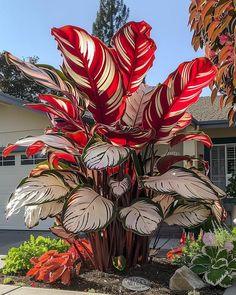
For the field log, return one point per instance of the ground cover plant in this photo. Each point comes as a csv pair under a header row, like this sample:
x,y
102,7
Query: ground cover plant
x,y
212,255
104,177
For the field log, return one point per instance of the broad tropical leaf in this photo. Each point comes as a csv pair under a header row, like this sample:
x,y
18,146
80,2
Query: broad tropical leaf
x,y
44,75
188,215
198,136
36,212
56,141
171,99
164,201
91,65
142,217
49,186
165,162
119,188
180,181
99,155
87,211
135,105
218,211
135,52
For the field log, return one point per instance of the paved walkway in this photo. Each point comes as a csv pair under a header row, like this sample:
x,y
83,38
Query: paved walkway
x,y
14,290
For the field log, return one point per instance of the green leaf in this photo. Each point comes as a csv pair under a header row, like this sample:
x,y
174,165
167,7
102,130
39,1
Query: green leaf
x,y
215,276
232,264
201,260
210,251
222,254
119,262
222,262
227,281
198,269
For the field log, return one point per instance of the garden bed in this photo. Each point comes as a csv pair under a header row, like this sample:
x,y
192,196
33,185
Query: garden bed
x,y
158,273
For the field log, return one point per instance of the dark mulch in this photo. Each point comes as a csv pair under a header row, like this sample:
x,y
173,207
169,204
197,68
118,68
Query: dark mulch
x,y
158,272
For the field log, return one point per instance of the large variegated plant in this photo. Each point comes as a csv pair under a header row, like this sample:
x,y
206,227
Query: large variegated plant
x,y
103,176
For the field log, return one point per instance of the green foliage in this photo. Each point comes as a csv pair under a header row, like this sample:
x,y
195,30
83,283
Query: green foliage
x,y
231,187
18,259
13,82
119,262
8,281
194,292
112,15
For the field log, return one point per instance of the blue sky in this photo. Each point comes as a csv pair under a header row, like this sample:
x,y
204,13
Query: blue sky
x,y
25,29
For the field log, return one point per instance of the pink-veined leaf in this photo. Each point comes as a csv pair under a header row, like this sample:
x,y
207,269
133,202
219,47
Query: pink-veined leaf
x,y
55,157
183,182
36,212
198,136
33,148
50,185
164,201
188,215
90,64
171,99
142,217
120,187
87,211
135,52
135,105
182,123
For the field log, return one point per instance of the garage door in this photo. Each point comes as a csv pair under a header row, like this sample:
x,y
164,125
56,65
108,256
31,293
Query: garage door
x,y
12,170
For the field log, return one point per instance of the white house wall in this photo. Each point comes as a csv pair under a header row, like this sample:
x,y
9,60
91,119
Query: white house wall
x,y
17,122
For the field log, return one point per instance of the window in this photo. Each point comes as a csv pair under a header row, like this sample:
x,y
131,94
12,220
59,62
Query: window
x,y
7,161
223,164
33,160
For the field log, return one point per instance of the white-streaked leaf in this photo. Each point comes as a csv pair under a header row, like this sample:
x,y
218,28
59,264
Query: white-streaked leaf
x,y
180,181
188,215
36,212
142,217
119,188
215,276
205,178
135,105
164,201
99,155
87,211
48,186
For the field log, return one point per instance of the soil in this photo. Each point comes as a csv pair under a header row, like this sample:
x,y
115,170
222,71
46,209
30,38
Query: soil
x,y
158,272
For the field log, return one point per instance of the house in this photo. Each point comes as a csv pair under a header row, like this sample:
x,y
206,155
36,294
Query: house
x,y
17,121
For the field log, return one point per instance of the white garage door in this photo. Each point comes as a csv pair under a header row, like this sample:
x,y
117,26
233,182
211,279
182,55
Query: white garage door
x,y
12,170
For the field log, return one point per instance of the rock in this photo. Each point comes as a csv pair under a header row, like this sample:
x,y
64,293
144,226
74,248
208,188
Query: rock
x,y
184,279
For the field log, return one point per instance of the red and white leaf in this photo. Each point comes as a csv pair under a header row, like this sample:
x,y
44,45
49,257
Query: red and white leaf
x,y
119,188
188,215
51,140
182,123
135,105
164,163
165,201
49,186
87,211
198,136
99,155
180,181
142,217
36,212
135,53
132,137
171,99
91,65
218,211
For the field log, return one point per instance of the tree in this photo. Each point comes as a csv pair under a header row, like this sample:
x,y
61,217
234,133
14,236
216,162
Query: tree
x,y
106,180
213,24
13,82
112,15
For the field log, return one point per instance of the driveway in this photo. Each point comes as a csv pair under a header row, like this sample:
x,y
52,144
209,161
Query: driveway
x,y
13,238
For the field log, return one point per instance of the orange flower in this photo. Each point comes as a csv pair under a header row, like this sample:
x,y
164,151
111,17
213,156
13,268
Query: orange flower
x,y
172,254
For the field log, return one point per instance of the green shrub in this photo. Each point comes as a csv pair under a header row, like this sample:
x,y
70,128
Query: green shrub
x,y
8,281
18,259
231,187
